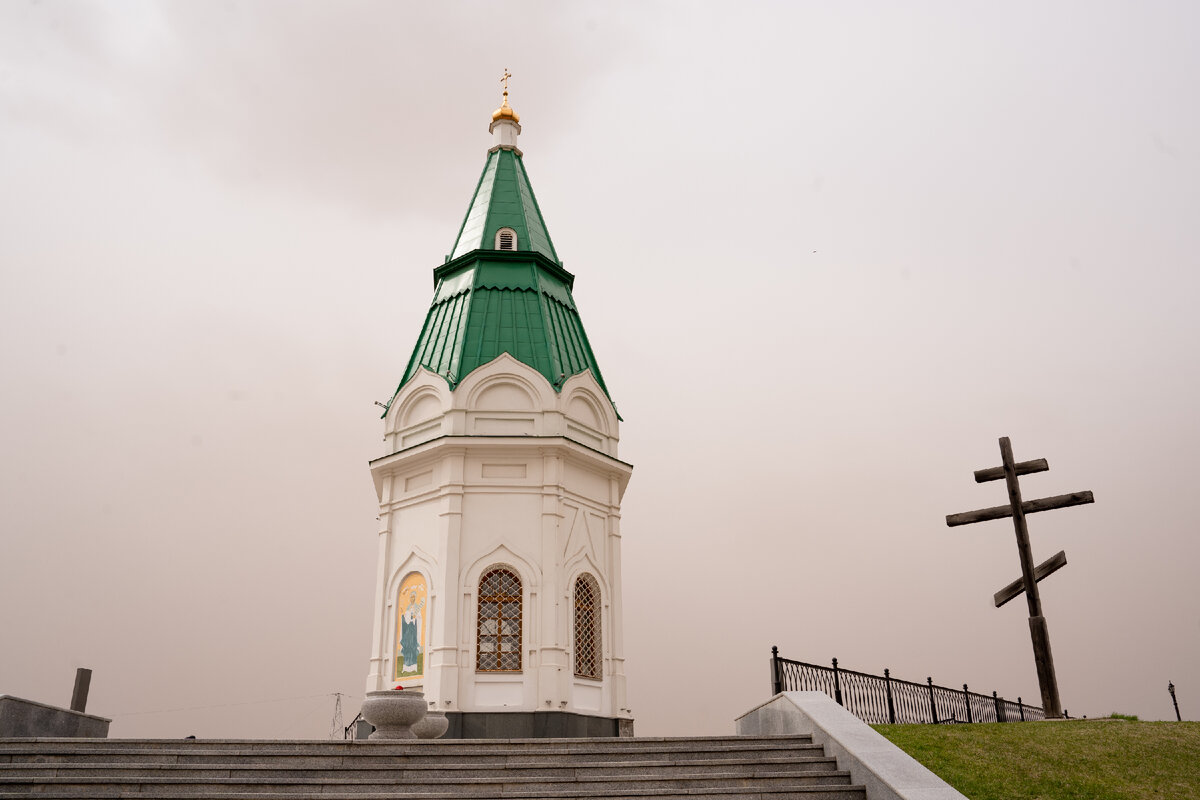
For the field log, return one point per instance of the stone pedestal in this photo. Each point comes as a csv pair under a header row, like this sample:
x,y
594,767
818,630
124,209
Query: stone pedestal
x,y
393,712
433,726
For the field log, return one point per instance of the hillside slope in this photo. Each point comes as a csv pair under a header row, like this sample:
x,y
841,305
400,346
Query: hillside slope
x,y
1075,760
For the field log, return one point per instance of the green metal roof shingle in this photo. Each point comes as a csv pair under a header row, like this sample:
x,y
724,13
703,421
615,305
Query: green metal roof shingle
x,y
493,302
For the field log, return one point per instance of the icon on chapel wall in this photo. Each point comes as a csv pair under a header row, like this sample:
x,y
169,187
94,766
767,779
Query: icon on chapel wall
x,y
410,627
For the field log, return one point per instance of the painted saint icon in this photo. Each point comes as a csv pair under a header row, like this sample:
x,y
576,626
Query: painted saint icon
x,y
410,627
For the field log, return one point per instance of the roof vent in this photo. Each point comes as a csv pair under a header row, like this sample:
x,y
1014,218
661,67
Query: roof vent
x,y
506,239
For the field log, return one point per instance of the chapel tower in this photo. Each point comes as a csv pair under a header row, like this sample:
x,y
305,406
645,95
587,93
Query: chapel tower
x,y
498,590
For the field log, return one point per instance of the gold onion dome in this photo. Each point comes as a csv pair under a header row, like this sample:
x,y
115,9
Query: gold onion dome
x,y
505,111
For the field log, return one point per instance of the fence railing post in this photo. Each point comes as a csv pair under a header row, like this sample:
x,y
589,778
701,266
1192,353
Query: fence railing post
x,y
776,673
837,685
1021,708
999,708
887,684
967,700
932,704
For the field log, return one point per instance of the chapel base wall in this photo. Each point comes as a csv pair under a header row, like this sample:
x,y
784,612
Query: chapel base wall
x,y
533,725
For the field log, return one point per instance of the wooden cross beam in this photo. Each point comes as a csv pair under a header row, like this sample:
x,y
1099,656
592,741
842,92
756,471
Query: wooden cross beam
x,y
1044,569
1028,507
1009,470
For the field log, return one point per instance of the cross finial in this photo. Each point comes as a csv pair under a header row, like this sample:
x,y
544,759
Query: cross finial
x,y
505,112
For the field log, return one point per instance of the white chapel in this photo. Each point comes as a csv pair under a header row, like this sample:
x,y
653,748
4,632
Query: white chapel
x,y
498,590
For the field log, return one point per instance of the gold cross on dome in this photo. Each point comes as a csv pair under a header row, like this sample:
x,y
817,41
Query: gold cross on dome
x,y
504,80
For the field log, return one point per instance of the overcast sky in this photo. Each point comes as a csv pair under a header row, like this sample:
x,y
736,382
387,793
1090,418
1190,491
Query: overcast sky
x,y
826,253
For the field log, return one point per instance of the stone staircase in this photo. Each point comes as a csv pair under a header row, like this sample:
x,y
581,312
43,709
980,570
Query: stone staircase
x,y
721,768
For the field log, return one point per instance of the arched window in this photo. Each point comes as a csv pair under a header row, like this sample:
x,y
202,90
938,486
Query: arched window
x,y
588,656
499,648
506,239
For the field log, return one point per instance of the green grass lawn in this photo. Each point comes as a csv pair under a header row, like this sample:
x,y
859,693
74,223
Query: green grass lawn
x,y
1075,760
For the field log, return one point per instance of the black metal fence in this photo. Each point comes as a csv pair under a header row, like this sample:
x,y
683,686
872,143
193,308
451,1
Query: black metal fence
x,y
352,730
885,699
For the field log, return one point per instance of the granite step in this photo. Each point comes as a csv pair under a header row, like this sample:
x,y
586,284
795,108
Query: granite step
x,y
810,793
549,770
723,768
419,748
807,758
457,784
676,742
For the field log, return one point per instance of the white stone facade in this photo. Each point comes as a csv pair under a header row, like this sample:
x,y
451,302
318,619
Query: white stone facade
x,y
503,471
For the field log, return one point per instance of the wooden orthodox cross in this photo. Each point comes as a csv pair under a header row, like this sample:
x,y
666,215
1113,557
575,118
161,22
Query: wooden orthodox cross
x,y
1027,583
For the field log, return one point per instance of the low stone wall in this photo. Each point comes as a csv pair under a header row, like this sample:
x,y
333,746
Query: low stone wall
x,y
887,771
25,718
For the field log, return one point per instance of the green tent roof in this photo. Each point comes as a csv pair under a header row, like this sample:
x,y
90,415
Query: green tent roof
x,y
487,302
503,199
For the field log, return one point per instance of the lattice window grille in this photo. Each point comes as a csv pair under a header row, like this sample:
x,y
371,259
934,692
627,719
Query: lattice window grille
x,y
506,239
588,658
499,642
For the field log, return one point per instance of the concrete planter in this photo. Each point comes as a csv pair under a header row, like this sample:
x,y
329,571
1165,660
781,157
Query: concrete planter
x,y
393,712
433,726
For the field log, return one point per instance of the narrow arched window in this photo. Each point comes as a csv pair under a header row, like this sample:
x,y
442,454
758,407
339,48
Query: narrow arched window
x,y
506,239
588,656
499,643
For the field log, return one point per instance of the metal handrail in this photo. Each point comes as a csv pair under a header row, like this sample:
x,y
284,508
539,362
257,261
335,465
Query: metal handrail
x,y
880,699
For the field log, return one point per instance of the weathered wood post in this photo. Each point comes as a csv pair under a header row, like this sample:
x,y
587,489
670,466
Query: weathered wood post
x,y
1009,470
83,682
